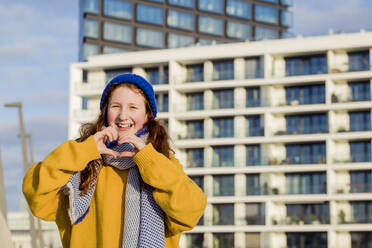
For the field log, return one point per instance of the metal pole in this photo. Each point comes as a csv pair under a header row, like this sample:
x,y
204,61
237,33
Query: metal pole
x,y
39,229
3,209
25,165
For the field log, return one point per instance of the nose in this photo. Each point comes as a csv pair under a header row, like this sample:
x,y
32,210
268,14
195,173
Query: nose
x,y
123,115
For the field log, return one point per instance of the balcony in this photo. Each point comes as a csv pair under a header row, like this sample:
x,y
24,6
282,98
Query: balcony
x,y
312,219
85,114
95,85
354,188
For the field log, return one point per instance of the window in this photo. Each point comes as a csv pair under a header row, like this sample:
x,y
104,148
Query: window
x,y
286,2
262,33
223,127
308,213
157,75
178,19
150,38
149,14
117,32
89,50
179,40
84,102
307,124
194,240
306,65
85,76
238,8
223,185
215,6
286,18
195,73
255,213
223,98
195,129
222,240
308,94
195,157
252,240
110,73
265,14
269,1
307,239
223,214
118,9
360,151
182,3
306,183
90,28
223,70
360,181
253,186
157,1
253,154
307,153
359,61
361,239
253,97
199,180
254,67
195,101
109,49
254,126
223,156
91,6
360,91
238,30
210,25
205,42
360,121
162,101
361,211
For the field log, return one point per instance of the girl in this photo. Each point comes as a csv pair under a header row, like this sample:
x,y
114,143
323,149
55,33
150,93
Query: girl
x,y
118,184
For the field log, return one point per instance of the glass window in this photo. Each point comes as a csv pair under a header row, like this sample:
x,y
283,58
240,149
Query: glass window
x,y
179,40
117,32
194,240
286,2
150,38
238,30
361,211
266,14
223,98
118,9
182,3
205,42
223,70
308,94
149,14
210,25
361,239
109,49
195,101
254,125
360,181
306,124
253,185
90,28
286,18
223,240
91,6
253,97
306,65
308,213
89,50
179,19
253,154
223,156
255,213
195,73
215,6
254,67
199,180
223,214
306,183
262,33
195,129
162,101
360,121
360,91
223,185
157,1
360,151
195,157
307,239
84,102
269,1
307,153
157,75
85,76
223,127
110,73
238,8
359,61
252,240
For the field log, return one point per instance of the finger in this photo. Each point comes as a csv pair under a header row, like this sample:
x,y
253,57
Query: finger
x,y
110,152
127,154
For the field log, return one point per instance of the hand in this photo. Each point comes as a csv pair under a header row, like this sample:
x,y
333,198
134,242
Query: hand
x,y
138,143
100,137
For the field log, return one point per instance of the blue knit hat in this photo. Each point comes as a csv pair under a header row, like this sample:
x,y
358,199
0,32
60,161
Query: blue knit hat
x,y
139,81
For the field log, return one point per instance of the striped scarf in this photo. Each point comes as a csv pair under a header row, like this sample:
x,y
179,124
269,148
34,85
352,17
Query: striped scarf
x,y
143,220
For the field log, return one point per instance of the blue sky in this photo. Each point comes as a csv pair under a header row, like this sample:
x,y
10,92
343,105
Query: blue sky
x,y
38,41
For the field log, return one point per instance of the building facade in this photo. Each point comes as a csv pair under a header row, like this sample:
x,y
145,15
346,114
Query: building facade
x,y
111,26
277,133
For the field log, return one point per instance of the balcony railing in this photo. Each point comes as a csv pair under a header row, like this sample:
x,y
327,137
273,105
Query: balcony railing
x,y
312,219
309,130
354,188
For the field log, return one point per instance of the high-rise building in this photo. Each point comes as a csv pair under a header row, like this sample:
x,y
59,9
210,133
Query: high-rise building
x,y
277,133
111,26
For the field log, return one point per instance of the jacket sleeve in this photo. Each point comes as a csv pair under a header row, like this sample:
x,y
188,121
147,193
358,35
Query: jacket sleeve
x,y
42,183
180,198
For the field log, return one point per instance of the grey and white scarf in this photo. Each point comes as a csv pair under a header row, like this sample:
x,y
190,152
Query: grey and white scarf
x,y
143,220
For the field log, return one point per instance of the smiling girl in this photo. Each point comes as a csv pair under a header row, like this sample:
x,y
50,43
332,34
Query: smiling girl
x,y
119,184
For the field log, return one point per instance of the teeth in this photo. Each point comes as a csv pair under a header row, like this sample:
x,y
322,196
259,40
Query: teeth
x,y
124,125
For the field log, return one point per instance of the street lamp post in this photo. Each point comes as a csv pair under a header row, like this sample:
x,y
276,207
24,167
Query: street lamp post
x,y
25,164
3,210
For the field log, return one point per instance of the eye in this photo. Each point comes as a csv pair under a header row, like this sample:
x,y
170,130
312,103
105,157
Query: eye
x,y
133,107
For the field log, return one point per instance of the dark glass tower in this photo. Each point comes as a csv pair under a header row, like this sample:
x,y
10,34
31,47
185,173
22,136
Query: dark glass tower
x,y
110,26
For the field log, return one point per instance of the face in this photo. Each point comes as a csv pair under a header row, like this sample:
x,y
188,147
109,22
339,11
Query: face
x,y
126,110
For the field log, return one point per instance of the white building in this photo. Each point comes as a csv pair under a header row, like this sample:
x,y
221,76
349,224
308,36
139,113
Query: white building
x,y
277,133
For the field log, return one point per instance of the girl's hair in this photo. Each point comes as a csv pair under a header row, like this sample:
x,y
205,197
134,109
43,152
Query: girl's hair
x,y
158,136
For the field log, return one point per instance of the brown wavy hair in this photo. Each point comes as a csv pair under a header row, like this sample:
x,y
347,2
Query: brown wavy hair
x,y
158,135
